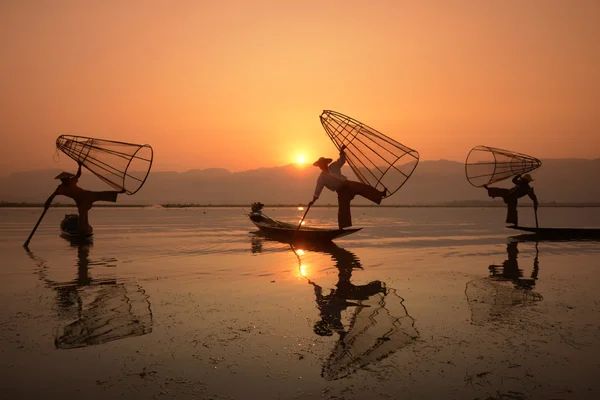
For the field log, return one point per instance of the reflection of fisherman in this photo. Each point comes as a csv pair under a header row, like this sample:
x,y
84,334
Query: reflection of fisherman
x,y
511,196
83,198
511,270
331,305
331,177
68,294
494,297
97,310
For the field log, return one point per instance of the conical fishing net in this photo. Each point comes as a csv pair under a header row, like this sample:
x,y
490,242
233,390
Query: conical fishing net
x,y
110,312
121,165
487,165
376,159
380,326
492,299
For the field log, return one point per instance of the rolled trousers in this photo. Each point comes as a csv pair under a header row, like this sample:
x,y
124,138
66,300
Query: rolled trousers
x,y
345,195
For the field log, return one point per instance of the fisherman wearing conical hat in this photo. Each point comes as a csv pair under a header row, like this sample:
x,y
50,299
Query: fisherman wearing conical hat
x,y
512,195
83,198
331,177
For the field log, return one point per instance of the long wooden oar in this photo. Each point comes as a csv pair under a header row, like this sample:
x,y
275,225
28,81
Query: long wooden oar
x,y
302,220
536,219
26,244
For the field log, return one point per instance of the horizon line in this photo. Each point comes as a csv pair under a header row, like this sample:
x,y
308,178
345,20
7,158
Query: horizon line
x,y
303,166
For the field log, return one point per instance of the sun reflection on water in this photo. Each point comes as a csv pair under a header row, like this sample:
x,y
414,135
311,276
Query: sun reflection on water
x,y
304,270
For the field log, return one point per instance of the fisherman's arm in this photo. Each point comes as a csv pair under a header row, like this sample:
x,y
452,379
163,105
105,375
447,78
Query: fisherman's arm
x,y
516,179
318,290
318,190
339,163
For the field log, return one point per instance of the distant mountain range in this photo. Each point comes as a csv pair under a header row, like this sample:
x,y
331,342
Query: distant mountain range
x,y
432,183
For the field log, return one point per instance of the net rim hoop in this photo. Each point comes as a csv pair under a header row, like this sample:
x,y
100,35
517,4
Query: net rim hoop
x,y
147,172
499,150
416,156
467,165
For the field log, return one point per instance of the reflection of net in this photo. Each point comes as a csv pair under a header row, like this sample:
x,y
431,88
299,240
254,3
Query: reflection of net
x,y
376,159
379,327
110,312
121,165
487,165
492,299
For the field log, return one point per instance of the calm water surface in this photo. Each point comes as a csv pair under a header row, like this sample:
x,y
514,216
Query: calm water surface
x,y
191,303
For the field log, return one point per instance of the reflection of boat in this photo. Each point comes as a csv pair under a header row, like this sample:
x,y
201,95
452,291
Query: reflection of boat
x,y
493,297
99,310
561,233
379,326
69,228
288,232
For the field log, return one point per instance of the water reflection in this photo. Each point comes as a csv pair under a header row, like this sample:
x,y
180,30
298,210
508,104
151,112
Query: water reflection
x,y
493,298
378,323
510,271
256,243
100,310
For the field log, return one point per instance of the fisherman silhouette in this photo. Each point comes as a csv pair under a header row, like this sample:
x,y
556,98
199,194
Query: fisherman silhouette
x,y
511,196
84,199
331,177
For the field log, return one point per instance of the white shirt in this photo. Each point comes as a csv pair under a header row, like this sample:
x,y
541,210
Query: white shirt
x,y
333,179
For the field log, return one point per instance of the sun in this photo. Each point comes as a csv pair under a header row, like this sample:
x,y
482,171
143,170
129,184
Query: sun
x,y
301,160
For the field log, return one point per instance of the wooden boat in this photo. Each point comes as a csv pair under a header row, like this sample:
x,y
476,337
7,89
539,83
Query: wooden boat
x,y
288,232
69,228
561,233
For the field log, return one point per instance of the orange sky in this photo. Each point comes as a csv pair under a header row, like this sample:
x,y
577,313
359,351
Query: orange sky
x,y
241,84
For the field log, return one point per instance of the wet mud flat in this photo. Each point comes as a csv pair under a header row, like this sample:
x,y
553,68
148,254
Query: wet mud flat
x,y
235,315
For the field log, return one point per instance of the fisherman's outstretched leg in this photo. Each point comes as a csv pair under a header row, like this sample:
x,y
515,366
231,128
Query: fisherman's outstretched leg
x,y
497,192
365,191
109,195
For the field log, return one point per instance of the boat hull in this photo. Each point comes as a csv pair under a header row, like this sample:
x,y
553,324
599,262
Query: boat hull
x,y
69,228
288,232
561,233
